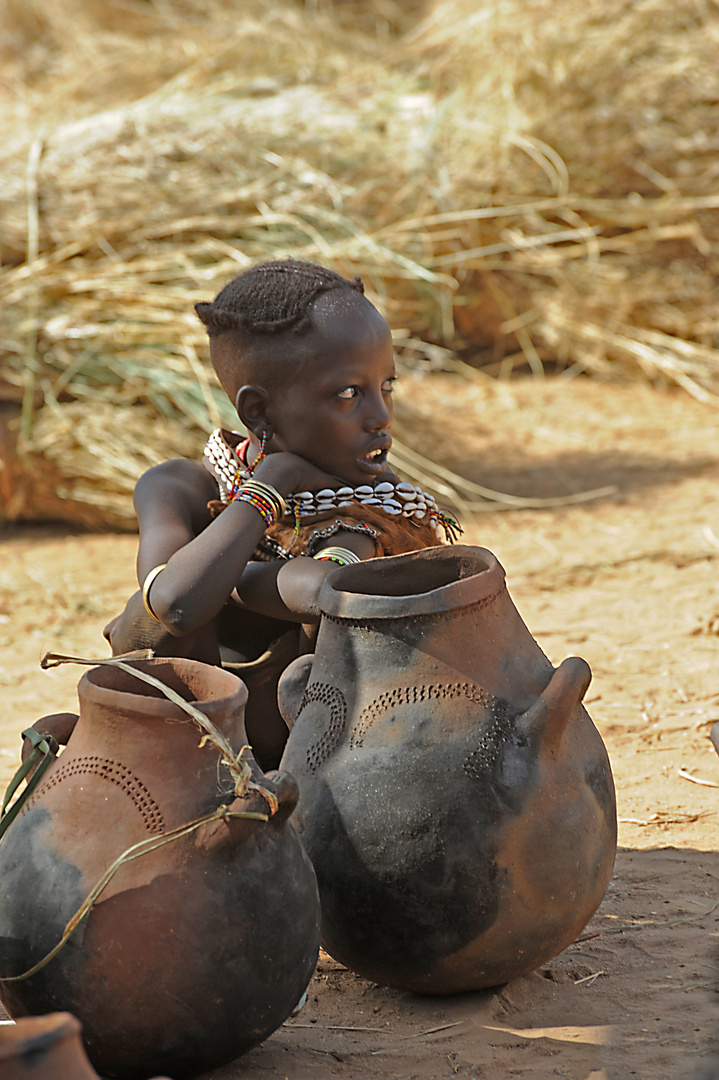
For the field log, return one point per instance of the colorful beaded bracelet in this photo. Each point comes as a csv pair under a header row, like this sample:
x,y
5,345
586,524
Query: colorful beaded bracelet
x,y
340,555
264,498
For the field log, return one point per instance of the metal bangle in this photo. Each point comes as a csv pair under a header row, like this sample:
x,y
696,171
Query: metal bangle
x,y
340,555
146,585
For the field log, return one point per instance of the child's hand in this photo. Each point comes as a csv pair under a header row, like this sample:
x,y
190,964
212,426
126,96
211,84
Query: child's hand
x,y
290,473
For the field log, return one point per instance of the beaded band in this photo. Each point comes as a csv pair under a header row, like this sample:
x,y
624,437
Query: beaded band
x,y
401,500
340,555
147,584
264,498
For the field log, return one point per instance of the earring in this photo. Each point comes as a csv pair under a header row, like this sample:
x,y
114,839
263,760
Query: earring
x,y
261,455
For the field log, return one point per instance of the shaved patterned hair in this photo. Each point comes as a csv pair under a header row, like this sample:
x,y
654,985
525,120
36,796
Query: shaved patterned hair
x,y
270,298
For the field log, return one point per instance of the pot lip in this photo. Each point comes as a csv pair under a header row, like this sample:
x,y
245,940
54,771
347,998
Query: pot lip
x,y
338,600
162,708
42,1032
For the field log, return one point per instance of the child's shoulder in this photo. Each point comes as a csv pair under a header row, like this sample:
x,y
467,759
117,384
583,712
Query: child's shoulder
x,y
185,483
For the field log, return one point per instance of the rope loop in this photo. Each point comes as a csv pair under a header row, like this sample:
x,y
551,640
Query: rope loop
x,y
44,751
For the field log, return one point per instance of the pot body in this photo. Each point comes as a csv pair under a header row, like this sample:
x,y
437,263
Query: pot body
x,y
192,953
455,797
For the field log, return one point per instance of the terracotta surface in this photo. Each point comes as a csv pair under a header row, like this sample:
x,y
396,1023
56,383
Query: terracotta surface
x,y
455,799
45,1048
632,583
194,952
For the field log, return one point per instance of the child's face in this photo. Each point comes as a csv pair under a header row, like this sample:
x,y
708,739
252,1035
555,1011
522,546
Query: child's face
x,y
335,407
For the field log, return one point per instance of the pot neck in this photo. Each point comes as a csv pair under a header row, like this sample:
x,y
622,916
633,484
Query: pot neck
x,y
427,583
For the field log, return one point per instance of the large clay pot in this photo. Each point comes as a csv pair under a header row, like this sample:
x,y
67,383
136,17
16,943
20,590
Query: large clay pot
x,y
45,1048
455,797
194,952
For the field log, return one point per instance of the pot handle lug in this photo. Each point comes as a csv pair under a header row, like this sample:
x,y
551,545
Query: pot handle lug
x,y
291,687
287,791
282,785
60,725
42,747
714,736
547,718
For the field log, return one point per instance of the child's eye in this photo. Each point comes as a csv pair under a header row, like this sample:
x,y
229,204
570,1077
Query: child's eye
x,y
348,393
388,385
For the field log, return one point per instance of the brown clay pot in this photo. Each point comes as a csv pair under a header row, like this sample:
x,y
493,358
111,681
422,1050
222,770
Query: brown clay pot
x,y
45,1048
194,952
455,797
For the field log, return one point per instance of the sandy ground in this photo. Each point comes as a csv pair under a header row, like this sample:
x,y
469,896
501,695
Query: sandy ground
x,y
630,582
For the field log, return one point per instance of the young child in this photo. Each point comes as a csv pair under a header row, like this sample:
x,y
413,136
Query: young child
x,y
233,551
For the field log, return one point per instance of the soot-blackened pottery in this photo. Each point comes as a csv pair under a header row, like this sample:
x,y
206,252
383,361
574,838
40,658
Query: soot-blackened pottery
x,y
455,797
45,1048
193,952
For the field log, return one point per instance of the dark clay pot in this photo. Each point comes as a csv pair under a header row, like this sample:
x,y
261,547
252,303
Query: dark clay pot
x,y
45,1048
193,953
455,797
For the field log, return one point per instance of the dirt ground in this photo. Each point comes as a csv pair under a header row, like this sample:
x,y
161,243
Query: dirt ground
x,y
629,581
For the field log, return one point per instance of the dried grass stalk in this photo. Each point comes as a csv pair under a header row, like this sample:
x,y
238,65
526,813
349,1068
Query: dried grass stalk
x,y
525,179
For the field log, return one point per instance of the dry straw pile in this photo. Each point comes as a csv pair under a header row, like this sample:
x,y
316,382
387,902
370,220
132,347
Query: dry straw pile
x,y
531,181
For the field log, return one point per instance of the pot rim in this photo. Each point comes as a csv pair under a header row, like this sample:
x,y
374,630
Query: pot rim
x,y
342,592
161,707
42,1032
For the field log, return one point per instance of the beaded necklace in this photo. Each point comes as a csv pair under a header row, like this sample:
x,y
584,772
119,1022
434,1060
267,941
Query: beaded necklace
x,y
228,467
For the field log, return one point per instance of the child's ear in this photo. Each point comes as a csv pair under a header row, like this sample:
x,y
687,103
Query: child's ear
x,y
251,404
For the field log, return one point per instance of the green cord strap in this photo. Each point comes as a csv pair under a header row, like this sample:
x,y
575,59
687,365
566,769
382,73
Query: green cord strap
x,y
136,851
44,749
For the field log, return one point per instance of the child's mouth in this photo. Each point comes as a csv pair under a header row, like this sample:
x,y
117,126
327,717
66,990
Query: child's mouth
x,y
375,461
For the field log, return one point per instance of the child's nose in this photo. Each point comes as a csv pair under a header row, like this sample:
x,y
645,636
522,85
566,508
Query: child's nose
x,y
379,414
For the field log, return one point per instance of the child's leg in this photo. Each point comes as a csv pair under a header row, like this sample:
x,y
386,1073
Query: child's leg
x,y
266,730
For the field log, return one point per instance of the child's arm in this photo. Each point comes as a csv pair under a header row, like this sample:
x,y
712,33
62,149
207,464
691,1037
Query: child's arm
x,y
204,558
289,590
171,505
